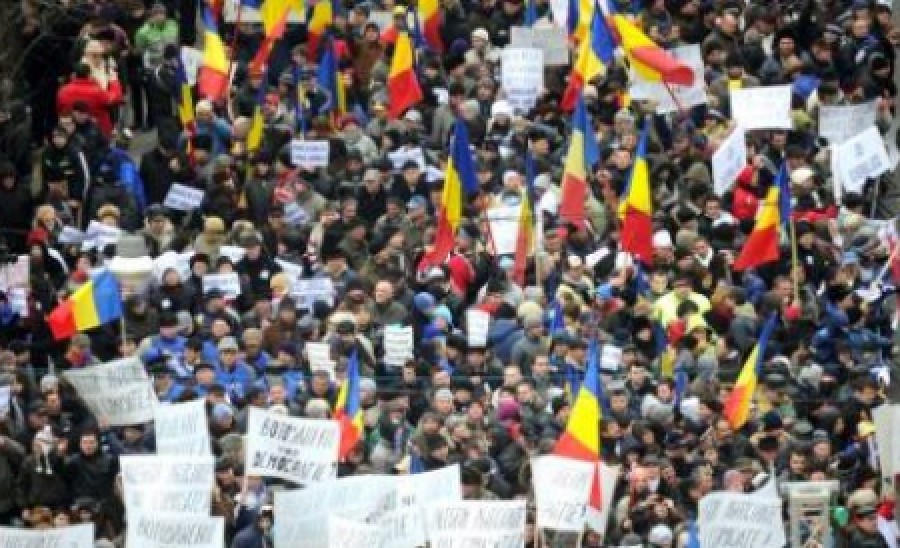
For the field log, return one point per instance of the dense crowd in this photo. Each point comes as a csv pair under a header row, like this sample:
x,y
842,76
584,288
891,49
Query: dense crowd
x,y
91,140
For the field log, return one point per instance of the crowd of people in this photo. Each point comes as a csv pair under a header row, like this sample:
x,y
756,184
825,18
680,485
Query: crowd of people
x,y
91,134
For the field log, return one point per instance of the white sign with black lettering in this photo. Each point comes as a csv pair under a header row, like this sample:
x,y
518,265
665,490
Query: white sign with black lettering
x,y
184,198
398,344
299,450
551,39
100,235
167,484
119,391
405,154
168,531
837,123
728,160
309,290
737,520
309,153
561,489
233,252
766,107
181,428
476,523
319,356
504,224
859,158
478,322
229,283
522,76
70,235
349,533
74,536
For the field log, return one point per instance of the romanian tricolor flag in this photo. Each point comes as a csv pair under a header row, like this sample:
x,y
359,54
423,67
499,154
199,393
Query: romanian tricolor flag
x,y
322,18
93,304
459,182
762,245
593,55
330,80
274,15
258,124
636,211
581,439
212,80
737,406
650,61
347,409
524,239
403,86
582,154
429,14
185,100
581,13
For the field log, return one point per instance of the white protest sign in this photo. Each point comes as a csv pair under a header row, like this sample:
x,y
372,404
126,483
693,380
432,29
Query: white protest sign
x,y
348,533
100,235
610,357
293,270
890,141
839,123
74,536
168,531
15,274
522,76
550,39
504,223
859,158
478,322
382,18
687,96
476,523
309,290
5,393
728,160
167,483
405,154
309,153
560,11
18,300
405,526
298,450
398,344
301,515
228,283
319,356
885,417
181,429
766,107
737,520
191,59
251,15
609,476
233,252
181,262
119,390
295,215
168,500
561,489
184,198
70,235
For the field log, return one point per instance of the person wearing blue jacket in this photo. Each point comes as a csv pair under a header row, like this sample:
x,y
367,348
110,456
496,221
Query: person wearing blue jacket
x,y
235,375
168,345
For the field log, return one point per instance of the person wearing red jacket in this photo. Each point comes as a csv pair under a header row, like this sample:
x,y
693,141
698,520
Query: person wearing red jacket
x,y
745,201
98,100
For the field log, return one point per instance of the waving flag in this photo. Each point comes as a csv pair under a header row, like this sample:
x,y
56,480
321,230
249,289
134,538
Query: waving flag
x,y
650,61
212,80
330,80
95,303
581,13
459,181
429,14
185,100
322,18
593,55
762,245
737,406
258,123
524,239
636,211
274,14
583,153
403,86
347,409
783,182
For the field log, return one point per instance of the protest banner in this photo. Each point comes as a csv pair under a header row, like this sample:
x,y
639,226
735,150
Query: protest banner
x,y
766,107
298,450
119,391
168,531
228,283
522,76
890,142
398,344
184,198
504,223
251,15
561,490
609,477
99,235
70,235
181,262
837,123
233,252
550,39
293,270
383,18
885,416
478,322
309,153
309,290
18,300
181,428
73,536
737,520
610,357
164,499
142,471
405,525
686,96
406,153
500,524
295,215
348,533
728,160
319,356
191,59
859,158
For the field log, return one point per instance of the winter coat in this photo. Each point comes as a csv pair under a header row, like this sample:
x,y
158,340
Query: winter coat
x,y
11,455
91,476
99,100
42,482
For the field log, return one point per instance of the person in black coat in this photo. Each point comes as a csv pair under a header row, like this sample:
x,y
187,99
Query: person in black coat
x,y
158,170
91,473
16,209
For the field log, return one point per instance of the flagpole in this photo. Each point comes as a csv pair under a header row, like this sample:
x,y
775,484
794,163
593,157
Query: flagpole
x,y
122,329
795,263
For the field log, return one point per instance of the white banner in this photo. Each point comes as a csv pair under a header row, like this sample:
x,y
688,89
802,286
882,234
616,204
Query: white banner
x,y
184,198
728,160
688,96
859,158
167,483
885,417
181,262
504,223
309,290
766,107
550,39
522,76
398,344
561,489
319,356
737,520
16,274
298,450
609,476
99,235
839,123
167,531
233,252
476,523
478,322
229,284
405,526
159,499
119,391
348,533
74,536
406,153
309,153
70,235
181,429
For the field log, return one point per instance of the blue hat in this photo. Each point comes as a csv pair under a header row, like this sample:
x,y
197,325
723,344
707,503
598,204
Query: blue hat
x,y
424,302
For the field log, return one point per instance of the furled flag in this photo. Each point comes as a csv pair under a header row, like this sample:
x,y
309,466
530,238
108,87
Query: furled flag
x,y
737,406
581,13
593,55
95,303
330,80
258,122
583,153
347,409
431,19
761,246
636,211
212,81
650,61
403,86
